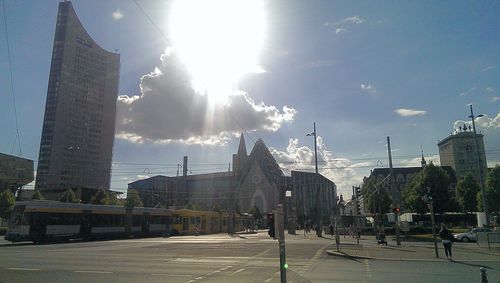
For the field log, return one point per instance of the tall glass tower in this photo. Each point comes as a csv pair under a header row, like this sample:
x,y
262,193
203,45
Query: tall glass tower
x,y
80,111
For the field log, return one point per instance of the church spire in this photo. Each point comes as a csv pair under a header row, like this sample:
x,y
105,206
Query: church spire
x,y
423,162
242,148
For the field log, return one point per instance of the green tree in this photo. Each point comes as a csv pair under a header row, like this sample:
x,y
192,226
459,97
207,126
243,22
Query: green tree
x,y
493,189
69,196
432,179
375,196
7,201
100,197
466,193
133,200
37,195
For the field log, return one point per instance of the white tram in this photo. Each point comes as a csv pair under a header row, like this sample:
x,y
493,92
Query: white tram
x,y
41,221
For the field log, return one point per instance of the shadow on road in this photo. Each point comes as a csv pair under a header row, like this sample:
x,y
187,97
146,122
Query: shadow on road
x,y
474,265
399,249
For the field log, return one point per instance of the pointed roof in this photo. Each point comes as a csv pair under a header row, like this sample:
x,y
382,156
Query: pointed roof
x,y
242,148
423,162
261,155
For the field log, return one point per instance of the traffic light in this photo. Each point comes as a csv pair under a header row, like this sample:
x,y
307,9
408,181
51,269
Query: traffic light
x,y
396,210
358,200
270,222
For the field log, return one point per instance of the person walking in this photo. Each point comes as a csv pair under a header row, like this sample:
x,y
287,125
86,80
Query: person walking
x,y
447,239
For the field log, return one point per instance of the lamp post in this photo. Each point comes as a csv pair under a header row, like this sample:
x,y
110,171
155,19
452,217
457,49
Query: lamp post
x,y
427,198
479,171
318,202
315,148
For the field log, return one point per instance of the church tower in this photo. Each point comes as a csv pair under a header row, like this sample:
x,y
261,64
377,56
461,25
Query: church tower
x,y
240,159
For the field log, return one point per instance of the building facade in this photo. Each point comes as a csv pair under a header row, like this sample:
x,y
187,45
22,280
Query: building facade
x,y
79,122
256,180
15,172
459,152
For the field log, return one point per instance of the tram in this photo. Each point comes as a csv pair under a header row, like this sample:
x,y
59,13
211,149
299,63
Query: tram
x,y
43,221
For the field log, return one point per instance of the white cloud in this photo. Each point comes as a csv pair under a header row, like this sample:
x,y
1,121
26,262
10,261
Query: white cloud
x,y
366,87
342,25
490,89
495,98
487,68
490,128
415,162
169,110
117,15
470,91
405,112
342,171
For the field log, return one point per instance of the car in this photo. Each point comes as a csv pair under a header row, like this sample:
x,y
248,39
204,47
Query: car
x,y
470,236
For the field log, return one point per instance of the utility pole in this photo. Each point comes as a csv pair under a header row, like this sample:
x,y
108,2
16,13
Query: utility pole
x,y
479,171
427,198
318,202
395,199
280,225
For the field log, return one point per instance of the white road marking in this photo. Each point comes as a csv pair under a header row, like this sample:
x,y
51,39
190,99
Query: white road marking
x,y
199,278
172,275
225,268
269,279
93,271
238,271
23,269
204,260
367,269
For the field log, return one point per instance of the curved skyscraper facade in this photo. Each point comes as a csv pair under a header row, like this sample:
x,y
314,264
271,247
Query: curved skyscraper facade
x,y
79,123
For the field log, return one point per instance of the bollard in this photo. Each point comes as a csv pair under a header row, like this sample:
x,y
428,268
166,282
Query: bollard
x,y
484,277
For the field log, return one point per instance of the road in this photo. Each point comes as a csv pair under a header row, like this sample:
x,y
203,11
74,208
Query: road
x,y
217,258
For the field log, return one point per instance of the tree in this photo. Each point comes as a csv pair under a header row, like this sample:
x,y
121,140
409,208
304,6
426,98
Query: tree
x,y
375,196
466,193
101,197
37,195
7,201
69,196
493,189
433,180
133,200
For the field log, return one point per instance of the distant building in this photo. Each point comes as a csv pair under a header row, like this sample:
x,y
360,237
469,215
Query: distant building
x,y
79,122
255,181
403,177
458,152
15,172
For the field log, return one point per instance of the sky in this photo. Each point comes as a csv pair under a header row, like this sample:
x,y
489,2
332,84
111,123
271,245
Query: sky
x,y
195,74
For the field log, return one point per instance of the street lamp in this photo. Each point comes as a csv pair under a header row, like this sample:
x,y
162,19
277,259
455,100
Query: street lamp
x,y
315,149
319,210
427,198
479,171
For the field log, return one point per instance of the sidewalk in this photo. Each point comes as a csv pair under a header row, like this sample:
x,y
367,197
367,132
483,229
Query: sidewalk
x,y
410,251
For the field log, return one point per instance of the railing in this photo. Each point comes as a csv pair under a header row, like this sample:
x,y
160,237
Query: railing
x,y
493,237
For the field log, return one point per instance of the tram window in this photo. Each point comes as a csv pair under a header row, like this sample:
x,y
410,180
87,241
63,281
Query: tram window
x,y
137,220
191,220
26,219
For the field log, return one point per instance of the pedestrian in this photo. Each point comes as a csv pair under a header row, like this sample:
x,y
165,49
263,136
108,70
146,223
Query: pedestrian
x,y
331,229
447,239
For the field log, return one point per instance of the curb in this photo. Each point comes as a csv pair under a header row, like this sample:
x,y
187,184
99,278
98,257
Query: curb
x,y
341,254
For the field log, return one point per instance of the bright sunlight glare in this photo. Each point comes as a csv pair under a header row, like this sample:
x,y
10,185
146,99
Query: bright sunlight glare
x,y
219,41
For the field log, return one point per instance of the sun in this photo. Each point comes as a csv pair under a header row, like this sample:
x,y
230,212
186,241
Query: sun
x,y
218,41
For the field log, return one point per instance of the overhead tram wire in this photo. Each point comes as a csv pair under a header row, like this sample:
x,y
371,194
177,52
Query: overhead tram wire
x,y
11,80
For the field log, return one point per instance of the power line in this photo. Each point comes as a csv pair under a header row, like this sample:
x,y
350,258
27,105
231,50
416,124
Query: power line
x,y
11,81
153,23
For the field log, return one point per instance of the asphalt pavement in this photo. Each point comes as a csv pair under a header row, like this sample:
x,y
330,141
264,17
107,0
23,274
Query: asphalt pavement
x,y
239,258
